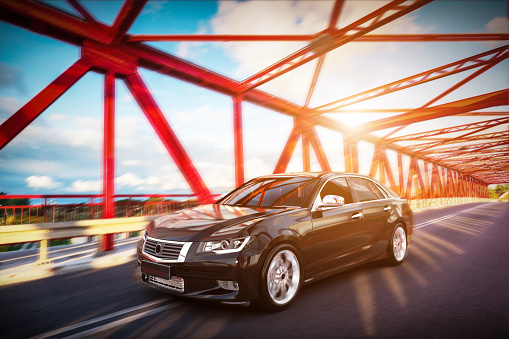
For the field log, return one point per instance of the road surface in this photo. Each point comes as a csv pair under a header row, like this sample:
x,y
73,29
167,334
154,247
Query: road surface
x,y
454,284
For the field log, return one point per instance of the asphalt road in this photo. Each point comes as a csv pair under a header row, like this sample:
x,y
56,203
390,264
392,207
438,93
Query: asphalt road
x,y
454,284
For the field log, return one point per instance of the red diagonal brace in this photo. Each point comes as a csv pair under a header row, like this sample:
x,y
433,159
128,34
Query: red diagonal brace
x,y
126,16
498,98
317,147
168,137
32,109
286,155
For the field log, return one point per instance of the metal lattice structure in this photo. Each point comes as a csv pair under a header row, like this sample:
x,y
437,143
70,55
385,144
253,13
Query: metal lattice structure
x,y
456,170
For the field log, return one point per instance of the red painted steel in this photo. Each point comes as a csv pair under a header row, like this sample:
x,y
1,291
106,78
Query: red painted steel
x,y
81,10
319,152
238,140
494,99
160,125
106,243
110,49
309,37
31,110
426,135
125,18
74,31
286,155
460,139
327,42
490,58
306,162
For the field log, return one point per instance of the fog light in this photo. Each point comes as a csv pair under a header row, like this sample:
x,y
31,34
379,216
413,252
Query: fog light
x,y
228,285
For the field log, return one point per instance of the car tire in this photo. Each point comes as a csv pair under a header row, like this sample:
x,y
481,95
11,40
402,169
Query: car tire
x,y
397,250
281,278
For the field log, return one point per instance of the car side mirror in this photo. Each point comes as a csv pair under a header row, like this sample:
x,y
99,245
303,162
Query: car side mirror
x,y
332,201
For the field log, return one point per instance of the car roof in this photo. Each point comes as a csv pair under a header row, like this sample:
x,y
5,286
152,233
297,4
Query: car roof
x,y
312,174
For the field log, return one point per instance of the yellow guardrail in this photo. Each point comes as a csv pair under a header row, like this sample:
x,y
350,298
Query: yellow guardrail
x,y
62,230
428,204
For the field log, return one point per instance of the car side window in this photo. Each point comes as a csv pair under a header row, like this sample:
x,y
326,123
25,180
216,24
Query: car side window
x,y
366,190
337,186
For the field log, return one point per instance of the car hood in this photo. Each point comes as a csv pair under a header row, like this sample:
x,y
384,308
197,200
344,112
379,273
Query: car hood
x,y
198,223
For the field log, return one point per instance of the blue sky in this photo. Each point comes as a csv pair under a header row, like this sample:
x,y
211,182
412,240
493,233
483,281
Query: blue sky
x,y
60,152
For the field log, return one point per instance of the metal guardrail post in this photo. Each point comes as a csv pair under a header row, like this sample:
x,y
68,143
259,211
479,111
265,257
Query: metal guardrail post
x,y
43,253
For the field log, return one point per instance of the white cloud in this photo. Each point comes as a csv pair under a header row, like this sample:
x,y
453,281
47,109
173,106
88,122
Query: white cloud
x,y
306,17
130,162
8,106
85,186
497,25
57,117
41,182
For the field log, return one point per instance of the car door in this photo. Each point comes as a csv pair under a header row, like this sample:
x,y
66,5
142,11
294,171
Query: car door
x,y
337,231
376,209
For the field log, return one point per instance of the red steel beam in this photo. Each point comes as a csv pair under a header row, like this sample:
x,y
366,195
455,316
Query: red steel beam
x,y
160,125
336,12
286,155
454,87
498,98
126,17
492,58
32,109
309,37
328,42
460,139
401,189
388,171
448,153
238,141
319,152
81,10
487,136
106,243
306,161
404,110
454,129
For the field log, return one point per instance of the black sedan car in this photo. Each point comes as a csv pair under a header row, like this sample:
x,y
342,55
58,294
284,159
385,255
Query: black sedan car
x,y
267,238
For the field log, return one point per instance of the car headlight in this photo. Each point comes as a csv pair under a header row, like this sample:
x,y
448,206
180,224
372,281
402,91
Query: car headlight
x,y
223,246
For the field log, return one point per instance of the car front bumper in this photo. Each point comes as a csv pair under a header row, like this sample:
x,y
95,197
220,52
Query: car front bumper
x,y
228,277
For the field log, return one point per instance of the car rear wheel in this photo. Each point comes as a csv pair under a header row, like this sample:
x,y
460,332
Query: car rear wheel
x,y
398,246
281,278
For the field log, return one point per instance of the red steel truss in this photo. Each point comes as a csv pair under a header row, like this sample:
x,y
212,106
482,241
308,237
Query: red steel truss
x,y
437,166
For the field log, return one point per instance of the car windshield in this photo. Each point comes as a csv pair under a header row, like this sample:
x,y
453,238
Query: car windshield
x,y
273,192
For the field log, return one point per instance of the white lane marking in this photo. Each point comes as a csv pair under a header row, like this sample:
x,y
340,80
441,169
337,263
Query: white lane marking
x,y
122,321
98,319
427,223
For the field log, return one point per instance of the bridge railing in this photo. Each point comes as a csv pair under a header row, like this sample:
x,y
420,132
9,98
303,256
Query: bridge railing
x,y
50,212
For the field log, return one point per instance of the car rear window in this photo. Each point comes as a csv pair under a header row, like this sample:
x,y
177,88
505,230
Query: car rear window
x,y
366,189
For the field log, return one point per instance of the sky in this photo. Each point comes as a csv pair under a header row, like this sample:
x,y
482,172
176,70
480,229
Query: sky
x,y
61,151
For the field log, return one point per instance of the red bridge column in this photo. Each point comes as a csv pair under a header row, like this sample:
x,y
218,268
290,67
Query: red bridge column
x,y
106,243
238,140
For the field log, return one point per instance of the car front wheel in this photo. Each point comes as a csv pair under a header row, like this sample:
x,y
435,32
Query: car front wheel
x,y
281,278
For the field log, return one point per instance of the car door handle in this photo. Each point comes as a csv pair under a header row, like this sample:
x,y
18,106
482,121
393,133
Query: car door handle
x,y
356,216
387,208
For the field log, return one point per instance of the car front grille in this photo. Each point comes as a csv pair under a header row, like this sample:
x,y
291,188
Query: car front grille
x,y
169,250
174,284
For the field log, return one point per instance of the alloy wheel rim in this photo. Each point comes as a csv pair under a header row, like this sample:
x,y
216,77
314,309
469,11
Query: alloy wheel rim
x,y
399,243
283,277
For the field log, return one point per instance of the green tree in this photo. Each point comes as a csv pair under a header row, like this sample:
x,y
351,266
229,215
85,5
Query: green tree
x,y
501,189
14,202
